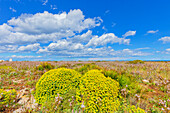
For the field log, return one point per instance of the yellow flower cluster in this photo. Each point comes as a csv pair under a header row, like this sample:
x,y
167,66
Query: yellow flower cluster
x,y
5,67
54,82
98,93
133,109
7,97
94,92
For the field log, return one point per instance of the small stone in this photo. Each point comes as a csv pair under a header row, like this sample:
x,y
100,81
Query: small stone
x,y
18,81
20,110
145,81
23,100
22,92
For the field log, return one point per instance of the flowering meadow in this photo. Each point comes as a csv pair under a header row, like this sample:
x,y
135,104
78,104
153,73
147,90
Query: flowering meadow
x,y
85,87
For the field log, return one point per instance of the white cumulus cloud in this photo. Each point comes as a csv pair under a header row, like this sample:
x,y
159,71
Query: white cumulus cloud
x,y
64,34
8,48
47,22
165,39
31,47
20,56
167,51
152,31
107,38
129,33
61,45
45,27
84,38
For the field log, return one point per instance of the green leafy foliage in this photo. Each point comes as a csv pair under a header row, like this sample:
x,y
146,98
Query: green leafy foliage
x,y
111,74
136,62
127,80
85,68
45,66
65,104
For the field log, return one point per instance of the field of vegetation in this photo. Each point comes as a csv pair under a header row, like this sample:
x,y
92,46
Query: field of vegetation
x,y
84,87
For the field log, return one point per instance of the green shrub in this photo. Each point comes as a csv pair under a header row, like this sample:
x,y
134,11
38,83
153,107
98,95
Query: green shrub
x,y
65,104
85,68
98,93
40,67
136,62
129,83
127,80
124,80
56,81
67,65
111,74
7,98
45,66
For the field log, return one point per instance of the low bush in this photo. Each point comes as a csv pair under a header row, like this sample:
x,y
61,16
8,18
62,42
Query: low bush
x,y
127,80
56,81
136,62
85,68
98,93
111,74
45,66
6,69
91,92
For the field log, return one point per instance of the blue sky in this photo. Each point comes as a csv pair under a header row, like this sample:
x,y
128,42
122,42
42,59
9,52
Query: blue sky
x,y
84,29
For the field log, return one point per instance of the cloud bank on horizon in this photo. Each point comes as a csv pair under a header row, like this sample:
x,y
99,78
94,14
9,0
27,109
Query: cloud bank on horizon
x,y
69,35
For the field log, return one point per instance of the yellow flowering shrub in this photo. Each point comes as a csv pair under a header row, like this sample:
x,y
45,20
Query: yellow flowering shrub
x,y
98,93
56,81
6,69
7,98
94,92
133,109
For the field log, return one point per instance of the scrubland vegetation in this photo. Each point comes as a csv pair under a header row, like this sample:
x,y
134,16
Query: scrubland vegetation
x,y
85,87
